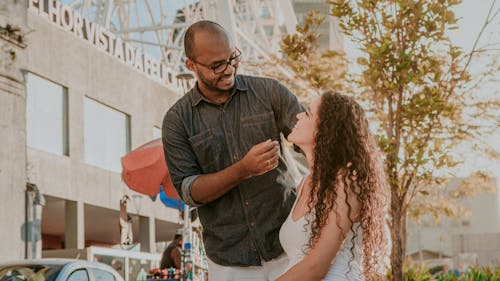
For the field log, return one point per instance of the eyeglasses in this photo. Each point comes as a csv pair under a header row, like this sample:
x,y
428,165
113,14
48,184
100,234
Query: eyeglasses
x,y
222,66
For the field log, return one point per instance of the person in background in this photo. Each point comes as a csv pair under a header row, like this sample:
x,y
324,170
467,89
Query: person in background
x,y
221,142
172,255
336,228
125,223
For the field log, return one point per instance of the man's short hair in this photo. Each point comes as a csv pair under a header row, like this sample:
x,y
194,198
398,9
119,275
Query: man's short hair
x,y
203,25
178,233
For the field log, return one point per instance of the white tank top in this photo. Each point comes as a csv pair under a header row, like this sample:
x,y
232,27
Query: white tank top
x,y
294,237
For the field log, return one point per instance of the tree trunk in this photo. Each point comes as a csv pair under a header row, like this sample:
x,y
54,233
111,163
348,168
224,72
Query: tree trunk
x,y
398,236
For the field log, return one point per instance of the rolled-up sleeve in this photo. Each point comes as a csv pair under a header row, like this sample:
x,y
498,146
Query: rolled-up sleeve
x,y
187,184
179,157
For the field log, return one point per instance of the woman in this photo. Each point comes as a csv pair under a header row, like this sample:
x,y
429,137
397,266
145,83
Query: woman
x,y
335,230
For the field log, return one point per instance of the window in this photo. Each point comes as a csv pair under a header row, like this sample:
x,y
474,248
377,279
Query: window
x,y
21,272
46,115
79,275
138,269
118,263
106,135
101,275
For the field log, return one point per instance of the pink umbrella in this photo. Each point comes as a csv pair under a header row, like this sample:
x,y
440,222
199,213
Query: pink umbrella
x,y
145,171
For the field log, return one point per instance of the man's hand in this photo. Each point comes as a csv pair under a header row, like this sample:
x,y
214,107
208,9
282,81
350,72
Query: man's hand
x,y
261,158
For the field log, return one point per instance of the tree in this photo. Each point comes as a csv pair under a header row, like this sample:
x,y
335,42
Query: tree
x,y
310,72
417,86
418,90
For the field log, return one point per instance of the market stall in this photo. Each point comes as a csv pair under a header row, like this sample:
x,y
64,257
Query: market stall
x,y
145,171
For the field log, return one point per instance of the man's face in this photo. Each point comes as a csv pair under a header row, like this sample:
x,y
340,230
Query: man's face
x,y
212,50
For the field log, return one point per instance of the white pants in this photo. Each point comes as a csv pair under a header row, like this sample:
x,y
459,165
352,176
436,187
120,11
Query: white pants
x,y
269,271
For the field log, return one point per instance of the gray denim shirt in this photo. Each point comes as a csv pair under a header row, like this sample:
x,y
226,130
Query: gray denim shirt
x,y
200,137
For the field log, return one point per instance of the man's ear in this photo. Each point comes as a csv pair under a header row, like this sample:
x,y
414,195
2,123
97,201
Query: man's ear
x,y
190,65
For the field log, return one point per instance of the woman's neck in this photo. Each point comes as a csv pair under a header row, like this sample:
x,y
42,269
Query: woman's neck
x,y
308,152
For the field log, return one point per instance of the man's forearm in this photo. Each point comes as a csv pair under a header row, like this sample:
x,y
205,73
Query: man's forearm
x,y
260,159
209,187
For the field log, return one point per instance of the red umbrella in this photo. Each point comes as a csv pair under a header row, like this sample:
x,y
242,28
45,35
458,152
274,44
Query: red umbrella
x,y
144,170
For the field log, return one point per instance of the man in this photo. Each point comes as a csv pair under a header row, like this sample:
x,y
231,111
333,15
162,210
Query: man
x,y
172,254
221,143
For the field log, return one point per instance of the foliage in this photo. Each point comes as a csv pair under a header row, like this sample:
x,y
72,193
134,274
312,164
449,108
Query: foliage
x,y
419,93
482,274
322,70
471,274
311,71
440,200
417,272
413,272
417,85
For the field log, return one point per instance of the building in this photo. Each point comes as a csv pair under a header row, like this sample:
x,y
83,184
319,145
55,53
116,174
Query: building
x,y
469,240
74,100
331,38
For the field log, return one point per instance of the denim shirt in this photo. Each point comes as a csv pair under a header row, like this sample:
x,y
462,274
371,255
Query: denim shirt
x,y
200,137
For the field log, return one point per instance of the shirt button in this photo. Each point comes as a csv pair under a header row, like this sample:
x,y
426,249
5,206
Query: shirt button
x,y
252,224
246,203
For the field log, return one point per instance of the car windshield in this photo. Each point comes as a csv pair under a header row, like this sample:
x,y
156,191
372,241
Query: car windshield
x,y
29,272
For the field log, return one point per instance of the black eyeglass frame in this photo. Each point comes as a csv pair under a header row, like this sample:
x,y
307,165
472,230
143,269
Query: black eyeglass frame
x,y
233,61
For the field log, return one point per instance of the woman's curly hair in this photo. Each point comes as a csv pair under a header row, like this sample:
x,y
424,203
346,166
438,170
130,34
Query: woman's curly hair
x,y
346,155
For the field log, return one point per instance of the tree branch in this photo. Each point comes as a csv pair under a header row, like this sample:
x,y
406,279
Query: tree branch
x,y
486,23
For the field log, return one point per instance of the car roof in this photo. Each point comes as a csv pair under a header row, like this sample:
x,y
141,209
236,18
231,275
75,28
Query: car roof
x,y
51,261
57,261
62,262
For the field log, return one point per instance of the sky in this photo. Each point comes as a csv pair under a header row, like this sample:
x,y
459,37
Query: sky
x,y
472,15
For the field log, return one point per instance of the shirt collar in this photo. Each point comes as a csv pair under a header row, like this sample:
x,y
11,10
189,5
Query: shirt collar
x,y
196,96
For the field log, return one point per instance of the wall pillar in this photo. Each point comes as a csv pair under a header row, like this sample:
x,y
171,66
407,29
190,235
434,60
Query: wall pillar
x,y
13,205
74,233
147,235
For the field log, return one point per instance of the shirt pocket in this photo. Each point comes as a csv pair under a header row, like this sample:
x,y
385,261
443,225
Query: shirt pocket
x,y
259,127
206,150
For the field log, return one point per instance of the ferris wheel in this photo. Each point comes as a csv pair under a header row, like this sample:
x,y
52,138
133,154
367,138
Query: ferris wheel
x,y
158,26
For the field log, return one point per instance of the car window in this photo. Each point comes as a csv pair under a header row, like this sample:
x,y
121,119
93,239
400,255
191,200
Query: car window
x,y
102,275
79,275
29,272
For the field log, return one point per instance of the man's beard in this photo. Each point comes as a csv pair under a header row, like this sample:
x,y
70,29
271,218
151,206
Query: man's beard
x,y
213,86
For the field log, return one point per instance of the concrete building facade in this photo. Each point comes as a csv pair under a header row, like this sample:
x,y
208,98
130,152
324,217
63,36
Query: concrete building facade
x,y
63,99
12,123
331,37
474,239
74,98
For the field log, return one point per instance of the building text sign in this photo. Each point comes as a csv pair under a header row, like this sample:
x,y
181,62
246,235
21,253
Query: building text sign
x,y
64,17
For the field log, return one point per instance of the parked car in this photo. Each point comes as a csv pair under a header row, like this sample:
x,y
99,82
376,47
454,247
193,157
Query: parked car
x,y
57,270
